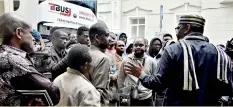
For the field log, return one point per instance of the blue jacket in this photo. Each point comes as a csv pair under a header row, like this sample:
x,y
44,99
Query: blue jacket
x,y
170,75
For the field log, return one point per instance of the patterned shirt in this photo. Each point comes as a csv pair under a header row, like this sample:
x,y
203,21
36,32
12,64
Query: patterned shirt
x,y
13,63
18,73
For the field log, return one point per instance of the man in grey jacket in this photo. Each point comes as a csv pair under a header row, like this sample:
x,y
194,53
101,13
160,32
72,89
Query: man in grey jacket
x,y
124,80
100,65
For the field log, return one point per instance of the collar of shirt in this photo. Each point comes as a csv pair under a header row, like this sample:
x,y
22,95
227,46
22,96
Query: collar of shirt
x,y
14,50
74,71
119,57
195,34
93,47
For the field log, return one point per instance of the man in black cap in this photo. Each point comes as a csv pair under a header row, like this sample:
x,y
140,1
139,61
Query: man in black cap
x,y
195,72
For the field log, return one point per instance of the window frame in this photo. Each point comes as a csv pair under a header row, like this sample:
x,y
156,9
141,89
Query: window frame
x,y
129,26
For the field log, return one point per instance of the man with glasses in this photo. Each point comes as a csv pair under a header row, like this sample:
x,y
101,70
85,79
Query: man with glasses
x,y
195,72
144,95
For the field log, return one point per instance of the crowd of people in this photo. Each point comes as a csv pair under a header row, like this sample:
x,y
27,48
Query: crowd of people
x,y
96,67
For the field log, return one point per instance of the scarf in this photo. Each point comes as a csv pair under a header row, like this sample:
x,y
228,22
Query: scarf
x,y
189,66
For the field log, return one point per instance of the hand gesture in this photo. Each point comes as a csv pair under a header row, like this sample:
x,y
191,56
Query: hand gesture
x,y
134,69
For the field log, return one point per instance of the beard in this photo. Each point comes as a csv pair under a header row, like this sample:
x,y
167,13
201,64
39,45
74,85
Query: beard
x,y
103,46
119,52
27,47
139,54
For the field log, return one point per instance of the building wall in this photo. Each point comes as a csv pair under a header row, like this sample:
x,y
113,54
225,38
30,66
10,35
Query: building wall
x,y
218,16
2,8
219,21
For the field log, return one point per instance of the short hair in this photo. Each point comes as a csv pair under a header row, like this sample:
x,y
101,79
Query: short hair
x,y
195,28
118,42
71,42
9,22
54,29
81,30
199,29
167,35
221,45
56,32
122,34
97,28
78,56
144,40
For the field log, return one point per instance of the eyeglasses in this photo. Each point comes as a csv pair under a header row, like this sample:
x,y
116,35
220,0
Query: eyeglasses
x,y
178,27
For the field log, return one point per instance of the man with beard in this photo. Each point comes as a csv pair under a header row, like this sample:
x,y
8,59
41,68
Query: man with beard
x,y
17,71
195,72
144,96
155,46
83,35
100,65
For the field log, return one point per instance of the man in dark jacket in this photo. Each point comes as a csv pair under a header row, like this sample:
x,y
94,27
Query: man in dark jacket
x,y
155,46
17,71
195,72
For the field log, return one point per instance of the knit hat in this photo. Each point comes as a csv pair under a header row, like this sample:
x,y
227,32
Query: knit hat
x,y
36,34
194,20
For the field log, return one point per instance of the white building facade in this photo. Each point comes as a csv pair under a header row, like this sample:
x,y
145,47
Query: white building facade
x,y
142,18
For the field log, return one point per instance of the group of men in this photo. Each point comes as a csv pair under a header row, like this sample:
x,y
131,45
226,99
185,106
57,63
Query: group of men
x,y
98,67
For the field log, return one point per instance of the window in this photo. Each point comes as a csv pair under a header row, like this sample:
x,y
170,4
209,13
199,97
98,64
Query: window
x,y
137,27
16,4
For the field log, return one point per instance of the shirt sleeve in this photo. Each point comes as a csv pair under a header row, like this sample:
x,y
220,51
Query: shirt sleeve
x,y
36,81
101,79
121,76
159,80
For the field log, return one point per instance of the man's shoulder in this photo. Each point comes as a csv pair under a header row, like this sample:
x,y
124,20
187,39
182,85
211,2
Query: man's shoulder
x,y
14,65
149,57
84,86
96,54
13,59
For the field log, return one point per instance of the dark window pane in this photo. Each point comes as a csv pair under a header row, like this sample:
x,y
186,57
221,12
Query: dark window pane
x,y
16,4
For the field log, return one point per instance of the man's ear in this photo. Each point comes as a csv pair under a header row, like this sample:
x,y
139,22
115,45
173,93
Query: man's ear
x,y
187,29
18,32
97,37
228,42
